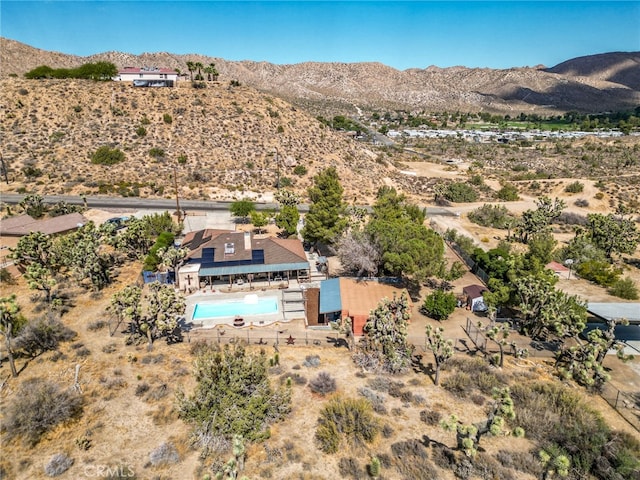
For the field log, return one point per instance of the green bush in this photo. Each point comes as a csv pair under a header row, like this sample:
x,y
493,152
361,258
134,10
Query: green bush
x,y
439,305
141,131
168,119
575,187
107,156
300,170
156,153
346,419
508,193
233,396
624,288
599,272
460,192
494,216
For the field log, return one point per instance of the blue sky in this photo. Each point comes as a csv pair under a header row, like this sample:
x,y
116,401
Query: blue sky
x,y
401,34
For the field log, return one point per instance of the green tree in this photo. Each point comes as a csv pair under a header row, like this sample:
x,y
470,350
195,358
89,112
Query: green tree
x,y
199,66
191,67
164,307
541,246
442,349
546,310
40,278
439,305
242,208
468,435
260,219
287,219
35,247
583,363
152,260
613,234
397,229
326,219
232,396
33,205
386,335
539,220
10,324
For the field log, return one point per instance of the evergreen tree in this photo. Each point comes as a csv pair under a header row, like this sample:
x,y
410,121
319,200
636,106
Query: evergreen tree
x,y
326,219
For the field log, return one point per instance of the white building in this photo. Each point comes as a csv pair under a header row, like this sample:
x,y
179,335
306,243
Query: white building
x,y
148,76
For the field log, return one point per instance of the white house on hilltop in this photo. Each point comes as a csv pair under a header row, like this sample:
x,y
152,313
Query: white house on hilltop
x,y
148,76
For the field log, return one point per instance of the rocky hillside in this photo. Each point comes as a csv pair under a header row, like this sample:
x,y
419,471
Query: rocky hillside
x,y
589,84
219,139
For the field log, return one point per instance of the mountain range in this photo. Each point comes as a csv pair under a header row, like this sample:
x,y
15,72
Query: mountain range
x,y
590,84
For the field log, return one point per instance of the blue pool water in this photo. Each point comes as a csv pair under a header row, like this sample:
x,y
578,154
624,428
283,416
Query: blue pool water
x,y
239,307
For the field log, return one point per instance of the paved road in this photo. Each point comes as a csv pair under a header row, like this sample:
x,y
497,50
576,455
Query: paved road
x,y
135,203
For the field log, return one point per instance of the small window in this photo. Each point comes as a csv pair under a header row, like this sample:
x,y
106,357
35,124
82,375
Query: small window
x,y
229,249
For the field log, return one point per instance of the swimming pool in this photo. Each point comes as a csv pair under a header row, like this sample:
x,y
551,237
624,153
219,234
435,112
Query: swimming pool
x,y
249,305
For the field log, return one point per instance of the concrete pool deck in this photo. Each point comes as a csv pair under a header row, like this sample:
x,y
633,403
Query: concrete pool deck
x,y
258,320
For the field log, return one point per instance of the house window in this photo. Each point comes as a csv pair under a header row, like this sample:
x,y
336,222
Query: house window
x,y
140,75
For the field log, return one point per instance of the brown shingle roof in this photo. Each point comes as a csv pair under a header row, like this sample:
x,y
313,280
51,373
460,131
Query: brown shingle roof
x,y
19,226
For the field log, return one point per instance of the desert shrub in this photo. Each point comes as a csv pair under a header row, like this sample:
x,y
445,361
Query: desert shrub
x,y
599,196
110,347
141,131
6,277
233,396
599,272
581,202
524,462
142,388
311,361
42,335
387,431
575,187
494,216
460,192
323,384
164,454
488,468
182,159
57,465
107,156
571,218
376,399
166,118
350,468
300,170
559,418
459,384
37,407
381,384
411,460
156,153
624,288
346,419
508,193
430,417
439,305
296,378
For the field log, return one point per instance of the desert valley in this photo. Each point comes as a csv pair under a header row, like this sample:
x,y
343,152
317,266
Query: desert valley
x,y
366,201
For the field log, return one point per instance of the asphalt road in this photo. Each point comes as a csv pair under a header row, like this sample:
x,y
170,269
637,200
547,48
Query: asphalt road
x,y
135,203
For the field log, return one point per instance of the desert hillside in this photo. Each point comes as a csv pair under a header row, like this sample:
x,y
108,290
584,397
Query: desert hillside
x,y
590,84
220,138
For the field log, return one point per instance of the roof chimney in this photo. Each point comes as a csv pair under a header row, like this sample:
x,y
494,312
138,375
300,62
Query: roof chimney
x,y
247,240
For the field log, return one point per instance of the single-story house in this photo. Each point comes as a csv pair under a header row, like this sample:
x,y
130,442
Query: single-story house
x,y
12,228
340,298
148,76
475,300
223,255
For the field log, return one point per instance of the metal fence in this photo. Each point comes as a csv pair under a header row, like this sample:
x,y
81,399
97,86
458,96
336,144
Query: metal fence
x,y
625,403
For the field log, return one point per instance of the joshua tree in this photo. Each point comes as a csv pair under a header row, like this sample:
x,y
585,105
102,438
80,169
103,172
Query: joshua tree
x,y
10,323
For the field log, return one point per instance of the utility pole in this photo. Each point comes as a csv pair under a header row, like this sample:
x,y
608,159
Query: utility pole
x,y
4,169
175,184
